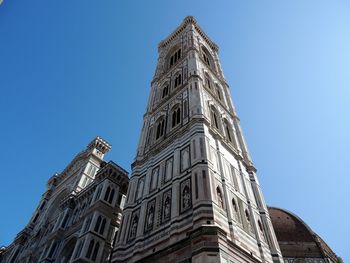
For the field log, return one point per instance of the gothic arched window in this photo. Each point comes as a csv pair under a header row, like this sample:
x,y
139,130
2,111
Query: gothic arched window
x,y
175,57
102,228
215,118
207,81
177,80
87,224
160,128
107,193
94,255
52,250
175,116
218,92
207,56
98,193
79,248
91,246
98,223
111,196
228,131
165,91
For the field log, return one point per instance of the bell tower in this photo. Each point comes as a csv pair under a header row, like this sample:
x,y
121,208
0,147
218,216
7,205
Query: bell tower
x,y
193,195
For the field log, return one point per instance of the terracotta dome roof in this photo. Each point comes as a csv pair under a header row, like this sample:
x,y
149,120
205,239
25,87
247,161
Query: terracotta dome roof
x,y
296,239
288,227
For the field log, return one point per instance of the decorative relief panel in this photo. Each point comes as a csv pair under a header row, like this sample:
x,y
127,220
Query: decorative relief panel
x,y
134,224
185,195
150,215
154,179
185,159
168,173
166,206
140,187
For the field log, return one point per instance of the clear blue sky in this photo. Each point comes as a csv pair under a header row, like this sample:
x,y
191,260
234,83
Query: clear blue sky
x,y
71,70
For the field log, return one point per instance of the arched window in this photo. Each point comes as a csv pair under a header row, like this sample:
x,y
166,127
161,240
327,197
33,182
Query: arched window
x,y
160,128
65,220
228,131
94,255
177,81
14,257
206,56
215,118
220,198
175,57
98,223
165,91
218,92
91,246
79,248
87,224
149,136
107,193
207,81
52,250
102,229
111,196
175,117
206,59
98,192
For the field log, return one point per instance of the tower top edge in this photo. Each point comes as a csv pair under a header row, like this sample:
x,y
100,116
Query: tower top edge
x,y
186,21
100,143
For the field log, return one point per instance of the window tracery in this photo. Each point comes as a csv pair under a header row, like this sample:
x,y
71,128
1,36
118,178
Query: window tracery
x,y
160,128
175,57
175,116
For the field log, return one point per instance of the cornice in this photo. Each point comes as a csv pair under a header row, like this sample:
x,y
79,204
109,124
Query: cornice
x,y
189,20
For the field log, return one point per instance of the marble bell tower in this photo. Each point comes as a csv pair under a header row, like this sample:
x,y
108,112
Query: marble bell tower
x,y
193,195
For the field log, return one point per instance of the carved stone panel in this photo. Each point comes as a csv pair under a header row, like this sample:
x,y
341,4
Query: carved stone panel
x,y
168,172
134,224
154,179
166,206
149,221
185,159
140,187
185,195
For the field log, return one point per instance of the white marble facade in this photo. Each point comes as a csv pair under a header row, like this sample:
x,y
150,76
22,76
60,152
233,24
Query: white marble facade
x,y
79,214
192,174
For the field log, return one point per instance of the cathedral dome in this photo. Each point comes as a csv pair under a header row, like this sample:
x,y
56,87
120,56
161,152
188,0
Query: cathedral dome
x,y
296,239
